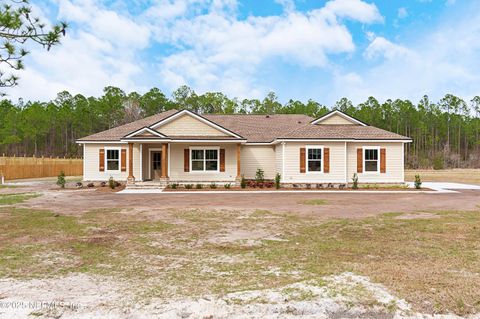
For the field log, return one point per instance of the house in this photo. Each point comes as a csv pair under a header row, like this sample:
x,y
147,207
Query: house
x,y
185,147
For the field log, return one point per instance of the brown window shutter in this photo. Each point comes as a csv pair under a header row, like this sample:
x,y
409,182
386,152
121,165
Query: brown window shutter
x,y
302,160
383,160
359,160
123,160
222,160
101,161
326,160
186,160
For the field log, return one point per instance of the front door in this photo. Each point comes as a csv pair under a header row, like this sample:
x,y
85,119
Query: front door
x,y
156,165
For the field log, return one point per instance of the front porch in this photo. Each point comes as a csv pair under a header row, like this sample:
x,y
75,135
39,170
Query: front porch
x,y
159,164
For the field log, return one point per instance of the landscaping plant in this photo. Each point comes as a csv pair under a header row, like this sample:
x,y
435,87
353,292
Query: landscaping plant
x,y
259,176
355,181
61,180
418,182
213,185
199,186
278,177
243,182
111,183
188,186
227,186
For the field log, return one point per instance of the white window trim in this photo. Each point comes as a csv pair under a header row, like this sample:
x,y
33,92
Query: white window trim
x,y
377,172
217,148
309,147
119,149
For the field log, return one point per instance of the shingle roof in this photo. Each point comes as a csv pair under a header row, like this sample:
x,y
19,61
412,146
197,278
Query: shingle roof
x,y
259,128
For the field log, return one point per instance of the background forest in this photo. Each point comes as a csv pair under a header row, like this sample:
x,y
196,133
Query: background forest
x,y
445,133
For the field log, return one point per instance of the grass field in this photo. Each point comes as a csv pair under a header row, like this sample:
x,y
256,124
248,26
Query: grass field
x,y
468,176
430,259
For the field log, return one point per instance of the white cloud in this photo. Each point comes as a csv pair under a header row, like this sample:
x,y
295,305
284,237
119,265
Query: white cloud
x,y
221,52
442,61
381,47
402,13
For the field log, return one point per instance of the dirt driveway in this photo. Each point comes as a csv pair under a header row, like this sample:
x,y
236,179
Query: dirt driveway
x,y
343,205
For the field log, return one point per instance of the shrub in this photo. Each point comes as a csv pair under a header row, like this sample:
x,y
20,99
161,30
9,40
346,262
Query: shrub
x,y
438,163
278,177
213,185
418,182
188,186
90,185
103,184
61,180
227,186
79,185
243,182
173,186
260,175
111,183
355,181
199,186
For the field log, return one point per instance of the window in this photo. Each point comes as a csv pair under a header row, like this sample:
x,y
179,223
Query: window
x,y
112,159
314,159
370,156
204,160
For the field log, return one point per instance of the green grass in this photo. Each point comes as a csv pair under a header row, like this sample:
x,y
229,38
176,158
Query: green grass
x,y
7,186
313,202
11,199
431,262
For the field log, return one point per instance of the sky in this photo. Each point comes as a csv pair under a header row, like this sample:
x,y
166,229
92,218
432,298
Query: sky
x,y
300,49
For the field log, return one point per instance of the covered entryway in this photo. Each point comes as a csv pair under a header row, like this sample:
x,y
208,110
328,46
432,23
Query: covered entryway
x,y
156,165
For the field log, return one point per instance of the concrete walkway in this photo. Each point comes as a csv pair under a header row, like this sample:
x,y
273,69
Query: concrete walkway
x,y
435,188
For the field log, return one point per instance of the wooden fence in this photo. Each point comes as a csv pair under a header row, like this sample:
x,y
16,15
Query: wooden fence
x,y
34,167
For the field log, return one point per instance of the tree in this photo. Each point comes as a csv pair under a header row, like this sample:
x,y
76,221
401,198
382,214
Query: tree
x,y
17,26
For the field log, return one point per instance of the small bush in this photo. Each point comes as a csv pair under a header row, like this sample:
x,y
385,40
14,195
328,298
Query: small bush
x,y
199,186
260,175
174,186
355,181
61,180
278,177
90,185
213,185
79,185
243,182
438,163
227,186
418,182
188,186
103,184
112,183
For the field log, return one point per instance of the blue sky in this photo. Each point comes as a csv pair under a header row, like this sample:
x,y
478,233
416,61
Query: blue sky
x,y
303,49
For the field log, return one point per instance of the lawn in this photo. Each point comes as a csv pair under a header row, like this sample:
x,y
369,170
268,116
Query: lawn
x,y
430,259
459,175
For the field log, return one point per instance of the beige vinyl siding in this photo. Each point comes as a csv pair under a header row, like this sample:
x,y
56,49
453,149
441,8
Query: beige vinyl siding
x,y
91,163
394,163
292,164
178,175
186,125
337,120
278,159
253,157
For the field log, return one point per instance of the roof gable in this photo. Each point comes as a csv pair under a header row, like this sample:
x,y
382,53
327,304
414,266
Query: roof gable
x,y
187,123
145,132
337,117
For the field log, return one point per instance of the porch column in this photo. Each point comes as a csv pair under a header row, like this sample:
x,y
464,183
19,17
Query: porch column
x,y
238,162
164,161
131,178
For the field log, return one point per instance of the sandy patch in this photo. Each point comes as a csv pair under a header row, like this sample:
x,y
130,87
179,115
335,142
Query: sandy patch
x,y
420,215
83,296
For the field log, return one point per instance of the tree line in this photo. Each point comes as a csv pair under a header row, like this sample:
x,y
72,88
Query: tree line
x,y
445,133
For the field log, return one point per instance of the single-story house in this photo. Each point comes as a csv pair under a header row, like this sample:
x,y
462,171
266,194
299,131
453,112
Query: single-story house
x,y
185,147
